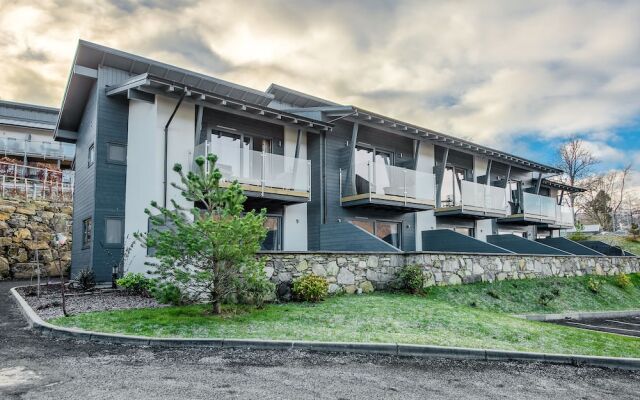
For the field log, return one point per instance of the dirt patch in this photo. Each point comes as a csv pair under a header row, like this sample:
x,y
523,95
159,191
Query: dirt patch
x,y
48,305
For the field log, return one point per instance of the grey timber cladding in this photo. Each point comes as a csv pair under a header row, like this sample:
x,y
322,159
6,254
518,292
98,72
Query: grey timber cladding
x,y
521,245
446,240
325,193
113,116
85,184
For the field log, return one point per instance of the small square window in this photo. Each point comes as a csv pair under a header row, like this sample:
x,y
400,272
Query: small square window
x,y
116,153
91,157
87,228
113,230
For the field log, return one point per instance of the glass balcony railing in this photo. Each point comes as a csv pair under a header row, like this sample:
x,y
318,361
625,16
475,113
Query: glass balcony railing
x,y
382,180
564,216
265,171
476,197
52,150
537,206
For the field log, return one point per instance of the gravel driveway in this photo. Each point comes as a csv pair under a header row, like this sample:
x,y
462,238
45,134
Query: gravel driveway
x,y
33,367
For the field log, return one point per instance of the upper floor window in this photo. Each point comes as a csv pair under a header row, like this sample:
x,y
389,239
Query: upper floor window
x,y
116,153
91,156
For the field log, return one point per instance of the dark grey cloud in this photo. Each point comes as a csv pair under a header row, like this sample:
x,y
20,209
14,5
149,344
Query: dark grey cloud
x,y
31,54
131,6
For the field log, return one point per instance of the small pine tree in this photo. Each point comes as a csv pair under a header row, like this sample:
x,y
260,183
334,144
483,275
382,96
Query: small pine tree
x,y
634,231
208,251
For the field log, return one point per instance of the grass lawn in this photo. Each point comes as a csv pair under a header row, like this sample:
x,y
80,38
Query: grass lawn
x,y
465,316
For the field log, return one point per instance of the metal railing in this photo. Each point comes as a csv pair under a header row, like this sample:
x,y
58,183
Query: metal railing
x,y
34,148
35,183
261,169
380,179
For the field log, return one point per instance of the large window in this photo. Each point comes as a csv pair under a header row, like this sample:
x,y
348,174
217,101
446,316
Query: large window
x,y
273,241
87,229
113,231
372,169
451,193
389,231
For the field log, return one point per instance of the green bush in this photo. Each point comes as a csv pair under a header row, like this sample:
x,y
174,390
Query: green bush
x,y
594,285
623,281
411,279
545,298
167,293
311,288
136,283
86,279
256,287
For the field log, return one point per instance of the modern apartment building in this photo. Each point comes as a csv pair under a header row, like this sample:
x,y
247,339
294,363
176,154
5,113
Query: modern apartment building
x,y
331,176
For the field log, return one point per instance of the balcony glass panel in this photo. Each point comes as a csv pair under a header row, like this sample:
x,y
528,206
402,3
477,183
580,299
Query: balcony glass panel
x,y
63,151
256,168
539,206
382,179
483,197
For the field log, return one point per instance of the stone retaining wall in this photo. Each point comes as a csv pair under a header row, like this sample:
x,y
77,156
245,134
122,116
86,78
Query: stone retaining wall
x,y
351,272
27,228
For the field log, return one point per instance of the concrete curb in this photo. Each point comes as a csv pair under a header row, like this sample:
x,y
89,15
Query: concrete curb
x,y
579,315
404,350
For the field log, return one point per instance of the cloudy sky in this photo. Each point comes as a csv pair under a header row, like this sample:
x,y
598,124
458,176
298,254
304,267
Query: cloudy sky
x,y
519,76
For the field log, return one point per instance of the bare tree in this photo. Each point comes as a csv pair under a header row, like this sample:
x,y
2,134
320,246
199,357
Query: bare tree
x,y
605,194
577,162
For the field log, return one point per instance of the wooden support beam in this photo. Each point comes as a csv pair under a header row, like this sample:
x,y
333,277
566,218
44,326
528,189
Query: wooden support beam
x,y
506,182
488,173
198,131
539,183
297,152
440,176
416,153
352,156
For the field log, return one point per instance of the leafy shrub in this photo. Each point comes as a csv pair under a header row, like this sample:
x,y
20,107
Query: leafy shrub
x,y
623,281
136,283
411,279
86,279
578,236
545,298
256,287
311,288
494,294
167,293
594,285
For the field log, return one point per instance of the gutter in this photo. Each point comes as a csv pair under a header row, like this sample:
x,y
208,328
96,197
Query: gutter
x,y
166,143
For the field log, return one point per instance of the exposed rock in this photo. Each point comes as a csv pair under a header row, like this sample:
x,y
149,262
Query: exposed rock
x,y
332,268
23,234
366,287
26,210
5,271
346,277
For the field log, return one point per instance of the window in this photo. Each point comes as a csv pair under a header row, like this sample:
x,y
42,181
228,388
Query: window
x,y
389,231
91,157
87,228
452,185
273,241
113,230
116,153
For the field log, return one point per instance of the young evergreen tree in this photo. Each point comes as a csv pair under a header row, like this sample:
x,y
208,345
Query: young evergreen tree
x,y
209,250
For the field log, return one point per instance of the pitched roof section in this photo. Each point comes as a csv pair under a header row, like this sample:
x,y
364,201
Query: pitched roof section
x,y
334,110
91,55
27,115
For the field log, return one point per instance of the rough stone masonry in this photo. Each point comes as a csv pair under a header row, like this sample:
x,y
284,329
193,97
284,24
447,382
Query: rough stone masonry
x,y
364,272
27,228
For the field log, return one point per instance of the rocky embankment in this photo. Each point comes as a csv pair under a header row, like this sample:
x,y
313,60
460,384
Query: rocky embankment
x,y
27,229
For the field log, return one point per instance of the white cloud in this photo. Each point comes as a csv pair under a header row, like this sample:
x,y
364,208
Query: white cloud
x,y
489,70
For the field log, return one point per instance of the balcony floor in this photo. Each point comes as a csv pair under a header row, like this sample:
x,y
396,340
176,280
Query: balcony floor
x,y
526,219
469,212
387,201
283,196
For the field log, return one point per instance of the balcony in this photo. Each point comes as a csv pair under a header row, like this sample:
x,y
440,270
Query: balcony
x,y
474,200
541,210
261,175
386,186
32,148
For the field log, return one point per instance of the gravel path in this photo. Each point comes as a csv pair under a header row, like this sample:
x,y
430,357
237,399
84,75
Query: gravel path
x,y
35,367
48,304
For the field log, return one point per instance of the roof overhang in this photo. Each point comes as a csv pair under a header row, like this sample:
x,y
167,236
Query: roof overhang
x,y
154,85
559,185
297,99
90,56
378,121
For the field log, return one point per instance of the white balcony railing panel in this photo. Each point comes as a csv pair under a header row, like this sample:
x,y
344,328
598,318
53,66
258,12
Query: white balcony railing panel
x,y
484,197
55,150
539,206
565,216
389,180
256,168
